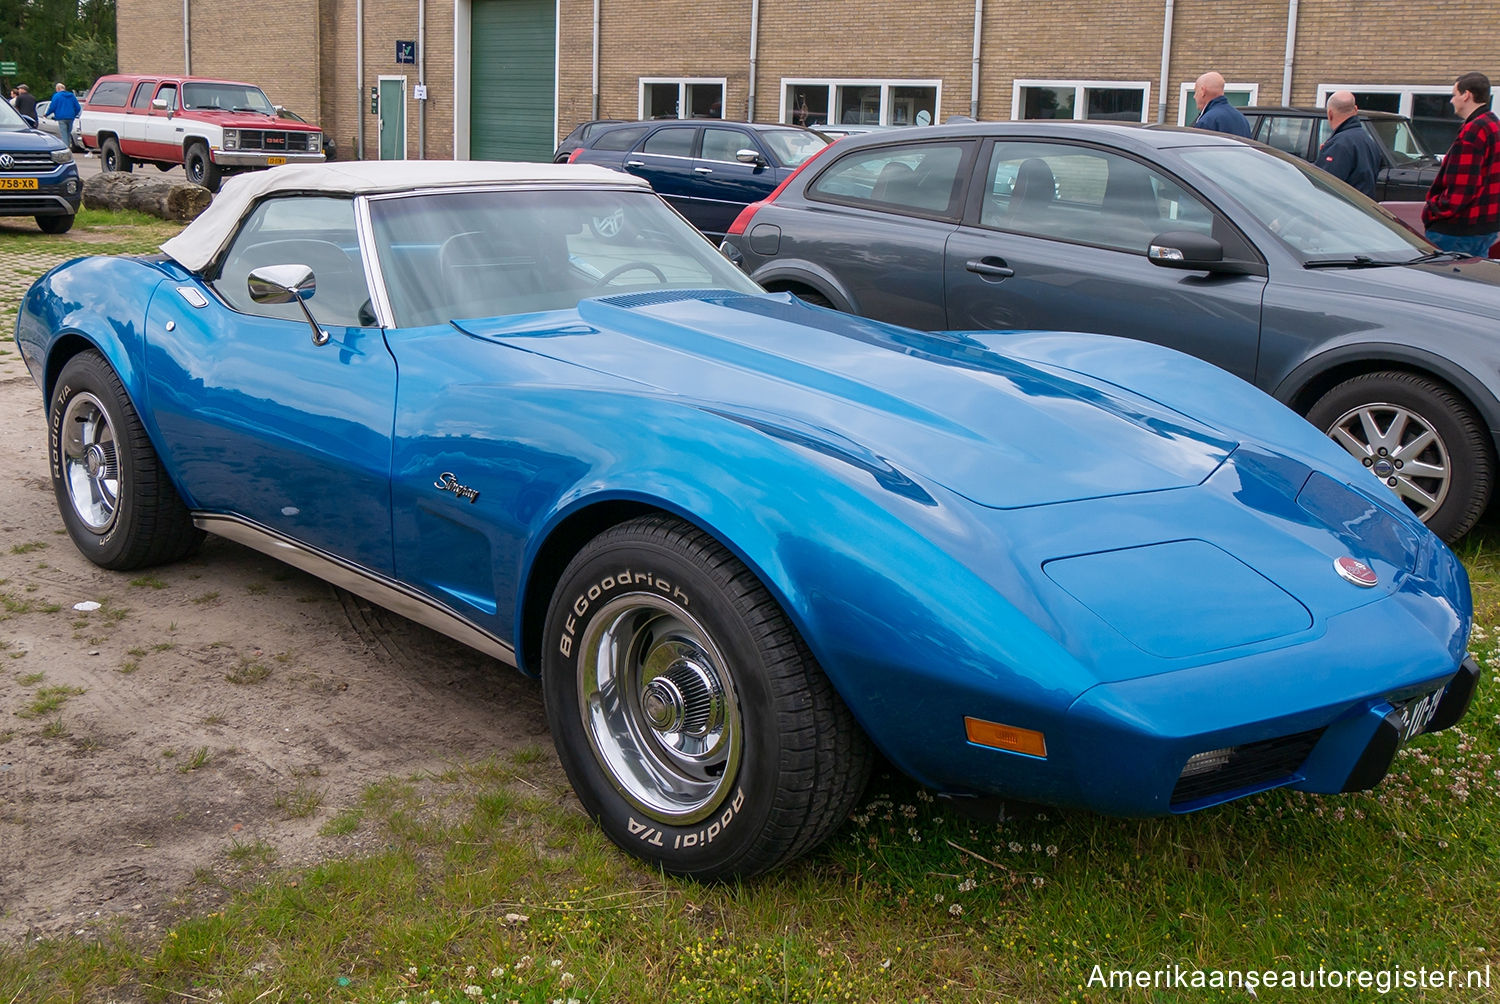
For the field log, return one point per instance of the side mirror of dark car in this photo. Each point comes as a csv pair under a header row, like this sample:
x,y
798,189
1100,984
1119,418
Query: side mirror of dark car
x,y
287,284
749,156
1193,252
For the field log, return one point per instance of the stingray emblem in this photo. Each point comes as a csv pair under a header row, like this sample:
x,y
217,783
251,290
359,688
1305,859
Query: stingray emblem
x,y
1355,571
448,483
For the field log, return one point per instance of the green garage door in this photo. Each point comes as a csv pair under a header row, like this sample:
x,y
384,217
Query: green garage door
x,y
511,79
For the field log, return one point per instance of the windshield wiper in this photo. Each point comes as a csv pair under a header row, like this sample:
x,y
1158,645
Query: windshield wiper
x,y
1437,256
243,108
1358,261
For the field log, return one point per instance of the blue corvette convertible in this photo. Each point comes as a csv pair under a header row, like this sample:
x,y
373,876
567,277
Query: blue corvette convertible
x,y
744,541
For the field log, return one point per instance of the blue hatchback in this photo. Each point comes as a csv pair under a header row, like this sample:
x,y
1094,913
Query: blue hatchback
x,y
37,174
708,170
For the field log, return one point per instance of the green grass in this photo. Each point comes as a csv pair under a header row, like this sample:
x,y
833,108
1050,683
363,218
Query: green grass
x,y
487,876
47,700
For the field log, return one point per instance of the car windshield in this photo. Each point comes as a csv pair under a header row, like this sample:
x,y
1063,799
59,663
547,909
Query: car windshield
x,y
228,97
1310,211
1397,136
10,119
792,146
448,255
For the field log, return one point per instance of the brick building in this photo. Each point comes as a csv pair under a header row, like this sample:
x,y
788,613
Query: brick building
x,y
504,78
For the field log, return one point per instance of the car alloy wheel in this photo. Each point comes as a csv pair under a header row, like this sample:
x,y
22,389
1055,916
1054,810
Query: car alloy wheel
x,y
1401,448
90,462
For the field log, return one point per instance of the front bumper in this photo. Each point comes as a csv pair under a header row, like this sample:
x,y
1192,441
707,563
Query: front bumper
x,y
263,158
57,193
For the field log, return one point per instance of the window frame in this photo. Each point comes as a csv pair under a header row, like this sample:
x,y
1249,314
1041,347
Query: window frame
x,y
969,147
832,84
1080,96
1185,91
683,83
1406,92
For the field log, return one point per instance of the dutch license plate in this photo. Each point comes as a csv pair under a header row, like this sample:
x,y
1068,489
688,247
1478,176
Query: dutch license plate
x,y
17,182
273,161
1417,713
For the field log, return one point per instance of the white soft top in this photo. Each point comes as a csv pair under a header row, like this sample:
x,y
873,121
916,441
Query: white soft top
x,y
201,241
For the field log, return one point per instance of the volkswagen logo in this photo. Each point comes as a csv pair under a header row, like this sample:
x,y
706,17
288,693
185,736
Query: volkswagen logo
x,y
7,161
1355,571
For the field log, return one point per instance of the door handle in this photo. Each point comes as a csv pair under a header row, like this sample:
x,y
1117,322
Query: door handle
x,y
703,170
990,268
635,163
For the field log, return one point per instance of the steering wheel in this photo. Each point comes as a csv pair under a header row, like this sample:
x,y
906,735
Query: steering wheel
x,y
629,266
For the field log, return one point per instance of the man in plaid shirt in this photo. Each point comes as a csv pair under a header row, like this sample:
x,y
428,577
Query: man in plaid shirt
x,y
1463,206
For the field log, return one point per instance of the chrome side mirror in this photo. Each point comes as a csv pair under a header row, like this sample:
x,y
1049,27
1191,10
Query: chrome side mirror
x,y
287,284
749,156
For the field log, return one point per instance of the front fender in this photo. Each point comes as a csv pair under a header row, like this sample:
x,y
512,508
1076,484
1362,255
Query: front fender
x,y
89,302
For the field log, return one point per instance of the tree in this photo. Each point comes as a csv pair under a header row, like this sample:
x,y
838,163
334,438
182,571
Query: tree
x,y
50,40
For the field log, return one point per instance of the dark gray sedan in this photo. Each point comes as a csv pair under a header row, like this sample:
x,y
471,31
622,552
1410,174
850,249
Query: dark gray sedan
x,y
1252,260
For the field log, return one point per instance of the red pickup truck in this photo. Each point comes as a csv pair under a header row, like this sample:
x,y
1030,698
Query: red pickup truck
x,y
210,127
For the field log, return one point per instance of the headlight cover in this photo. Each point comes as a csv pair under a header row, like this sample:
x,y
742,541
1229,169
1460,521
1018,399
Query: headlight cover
x,y
231,139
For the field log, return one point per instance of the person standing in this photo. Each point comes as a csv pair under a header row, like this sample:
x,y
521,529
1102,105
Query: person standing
x,y
1463,205
64,108
1350,153
1215,111
25,101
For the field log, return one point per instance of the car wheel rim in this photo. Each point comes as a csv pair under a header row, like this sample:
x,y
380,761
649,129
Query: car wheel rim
x,y
90,463
1402,449
659,707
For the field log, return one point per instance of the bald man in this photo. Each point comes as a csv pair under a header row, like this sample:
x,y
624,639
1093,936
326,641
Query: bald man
x,y
1216,112
1350,153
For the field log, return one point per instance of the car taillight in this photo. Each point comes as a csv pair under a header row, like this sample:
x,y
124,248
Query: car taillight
x,y
742,221
575,155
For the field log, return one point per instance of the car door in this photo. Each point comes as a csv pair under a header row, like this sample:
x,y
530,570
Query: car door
x,y
723,185
256,419
884,216
665,158
163,133
133,122
1055,236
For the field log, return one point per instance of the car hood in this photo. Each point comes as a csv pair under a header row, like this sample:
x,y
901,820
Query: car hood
x,y
15,141
248,120
1472,286
1002,433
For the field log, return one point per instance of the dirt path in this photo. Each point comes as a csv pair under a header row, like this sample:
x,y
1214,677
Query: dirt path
x,y
219,700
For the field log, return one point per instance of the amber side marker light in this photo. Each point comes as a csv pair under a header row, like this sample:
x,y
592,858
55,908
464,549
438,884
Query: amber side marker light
x,y
1005,737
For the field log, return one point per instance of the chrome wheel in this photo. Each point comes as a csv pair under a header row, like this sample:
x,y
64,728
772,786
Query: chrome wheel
x,y
659,708
90,463
1401,448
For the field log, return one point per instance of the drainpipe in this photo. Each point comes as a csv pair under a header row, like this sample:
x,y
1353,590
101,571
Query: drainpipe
x,y
422,79
187,47
595,105
974,73
359,73
1291,48
754,56
1166,60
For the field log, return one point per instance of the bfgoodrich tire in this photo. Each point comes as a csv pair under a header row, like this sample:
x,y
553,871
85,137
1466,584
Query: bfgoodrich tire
x,y
689,715
1420,438
115,499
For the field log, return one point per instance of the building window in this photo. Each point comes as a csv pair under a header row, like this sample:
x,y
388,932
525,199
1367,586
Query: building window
x,y
1427,106
1111,100
682,98
1239,95
823,102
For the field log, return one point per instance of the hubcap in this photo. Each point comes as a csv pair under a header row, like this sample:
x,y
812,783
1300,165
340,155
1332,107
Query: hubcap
x,y
90,463
658,703
1402,449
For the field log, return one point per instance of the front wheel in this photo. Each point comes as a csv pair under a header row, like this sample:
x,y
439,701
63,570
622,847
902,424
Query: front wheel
x,y
687,711
112,159
200,170
114,495
55,224
1420,438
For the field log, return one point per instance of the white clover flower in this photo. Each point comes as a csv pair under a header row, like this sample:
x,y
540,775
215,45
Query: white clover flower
x,y
967,885
956,910
1051,850
1015,847
472,991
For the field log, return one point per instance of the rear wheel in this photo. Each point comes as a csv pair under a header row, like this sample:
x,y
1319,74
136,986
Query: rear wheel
x,y
55,224
200,169
690,716
114,495
815,298
111,158
1420,438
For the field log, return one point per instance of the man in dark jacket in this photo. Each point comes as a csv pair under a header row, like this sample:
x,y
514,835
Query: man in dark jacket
x,y
25,101
1463,206
1350,154
1217,113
